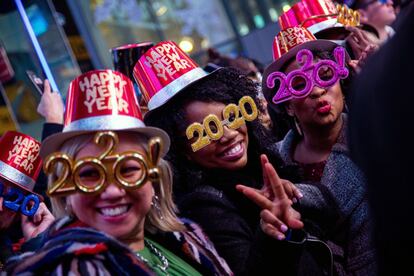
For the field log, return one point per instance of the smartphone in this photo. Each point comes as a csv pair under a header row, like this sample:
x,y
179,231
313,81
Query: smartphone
x,y
36,80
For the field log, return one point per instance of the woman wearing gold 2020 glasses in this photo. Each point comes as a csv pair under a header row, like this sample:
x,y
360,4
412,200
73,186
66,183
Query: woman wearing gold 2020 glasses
x,y
112,192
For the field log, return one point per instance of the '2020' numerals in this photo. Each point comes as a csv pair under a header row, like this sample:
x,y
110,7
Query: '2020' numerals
x,y
212,128
15,200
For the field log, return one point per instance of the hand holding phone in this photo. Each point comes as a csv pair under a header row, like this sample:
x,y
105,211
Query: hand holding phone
x,y
51,106
37,81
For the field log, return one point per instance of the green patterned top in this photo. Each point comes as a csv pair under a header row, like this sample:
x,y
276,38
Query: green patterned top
x,y
176,265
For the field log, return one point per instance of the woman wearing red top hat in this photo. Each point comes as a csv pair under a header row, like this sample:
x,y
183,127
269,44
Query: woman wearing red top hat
x,y
20,165
111,192
308,82
216,144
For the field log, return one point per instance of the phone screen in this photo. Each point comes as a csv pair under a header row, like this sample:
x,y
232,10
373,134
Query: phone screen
x,y
36,80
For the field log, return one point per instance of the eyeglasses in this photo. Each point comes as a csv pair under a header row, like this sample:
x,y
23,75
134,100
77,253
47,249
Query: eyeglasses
x,y
15,200
212,128
300,82
129,170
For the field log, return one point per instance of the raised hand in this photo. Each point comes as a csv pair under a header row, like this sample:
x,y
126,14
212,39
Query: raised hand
x,y
35,225
291,190
361,43
51,105
278,214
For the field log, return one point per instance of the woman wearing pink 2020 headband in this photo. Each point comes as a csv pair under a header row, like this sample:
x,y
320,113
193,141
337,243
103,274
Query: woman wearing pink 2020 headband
x,y
307,83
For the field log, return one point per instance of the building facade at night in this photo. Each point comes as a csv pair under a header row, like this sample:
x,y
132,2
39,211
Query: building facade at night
x,y
59,40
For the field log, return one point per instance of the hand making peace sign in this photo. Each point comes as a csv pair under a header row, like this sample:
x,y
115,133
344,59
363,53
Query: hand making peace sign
x,y
276,199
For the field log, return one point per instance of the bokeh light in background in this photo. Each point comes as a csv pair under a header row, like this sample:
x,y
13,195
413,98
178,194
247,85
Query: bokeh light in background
x,y
36,18
285,7
186,44
161,11
273,14
243,30
205,43
259,21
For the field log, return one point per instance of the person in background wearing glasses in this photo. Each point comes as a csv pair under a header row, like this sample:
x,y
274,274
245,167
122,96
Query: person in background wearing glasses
x,y
378,13
111,192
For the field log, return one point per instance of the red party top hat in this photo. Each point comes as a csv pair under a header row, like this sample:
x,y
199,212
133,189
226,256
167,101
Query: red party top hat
x,y
20,162
101,100
163,71
320,17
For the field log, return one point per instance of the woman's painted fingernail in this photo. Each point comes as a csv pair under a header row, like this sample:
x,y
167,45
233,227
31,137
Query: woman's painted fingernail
x,y
283,228
280,237
300,195
294,200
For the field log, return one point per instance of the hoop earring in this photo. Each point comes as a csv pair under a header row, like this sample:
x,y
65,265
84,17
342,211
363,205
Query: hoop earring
x,y
155,203
297,126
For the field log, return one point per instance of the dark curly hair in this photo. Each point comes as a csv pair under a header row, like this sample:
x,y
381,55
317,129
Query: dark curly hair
x,y
278,112
227,85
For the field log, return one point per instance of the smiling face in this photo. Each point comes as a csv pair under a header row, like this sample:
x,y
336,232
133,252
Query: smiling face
x,y
115,211
322,107
6,215
229,152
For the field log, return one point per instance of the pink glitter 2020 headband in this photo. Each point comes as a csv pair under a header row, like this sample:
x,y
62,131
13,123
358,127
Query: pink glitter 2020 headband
x,y
308,75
